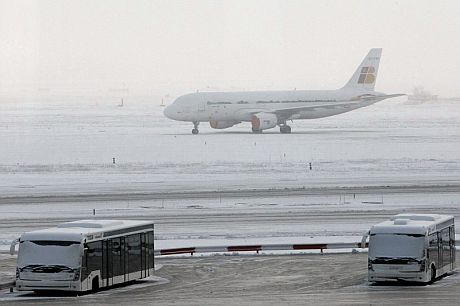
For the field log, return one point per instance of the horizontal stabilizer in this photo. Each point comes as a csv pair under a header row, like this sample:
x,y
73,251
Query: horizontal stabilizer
x,y
382,97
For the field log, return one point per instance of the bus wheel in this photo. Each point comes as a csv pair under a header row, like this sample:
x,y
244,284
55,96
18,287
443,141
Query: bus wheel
x,y
95,284
433,274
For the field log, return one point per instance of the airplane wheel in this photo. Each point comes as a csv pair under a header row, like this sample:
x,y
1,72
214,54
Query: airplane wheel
x,y
285,129
195,131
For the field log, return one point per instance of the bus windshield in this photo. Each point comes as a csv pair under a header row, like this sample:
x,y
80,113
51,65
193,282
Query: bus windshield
x,y
396,246
49,253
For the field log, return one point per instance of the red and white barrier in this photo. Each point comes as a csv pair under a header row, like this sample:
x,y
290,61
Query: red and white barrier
x,y
258,248
267,247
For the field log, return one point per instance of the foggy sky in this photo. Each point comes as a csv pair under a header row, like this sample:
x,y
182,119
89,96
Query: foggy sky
x,y
161,47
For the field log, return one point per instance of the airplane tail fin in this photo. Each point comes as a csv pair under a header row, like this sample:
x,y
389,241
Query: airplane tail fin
x,y
366,74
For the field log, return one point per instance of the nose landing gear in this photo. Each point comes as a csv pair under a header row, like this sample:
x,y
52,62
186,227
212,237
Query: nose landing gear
x,y
195,128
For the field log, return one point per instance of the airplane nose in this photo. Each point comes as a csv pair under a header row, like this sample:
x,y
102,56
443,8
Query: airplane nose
x,y
168,112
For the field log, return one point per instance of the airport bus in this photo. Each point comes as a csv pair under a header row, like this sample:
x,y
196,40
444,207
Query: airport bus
x,y
85,255
411,247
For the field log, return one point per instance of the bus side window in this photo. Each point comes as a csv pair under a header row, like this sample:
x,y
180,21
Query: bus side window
x,y
134,252
116,257
445,236
94,256
433,246
433,241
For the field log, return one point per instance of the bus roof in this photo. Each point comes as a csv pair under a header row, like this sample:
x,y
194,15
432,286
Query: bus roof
x,y
411,224
86,229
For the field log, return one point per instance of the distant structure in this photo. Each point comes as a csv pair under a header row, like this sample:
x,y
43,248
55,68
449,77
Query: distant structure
x,y
420,95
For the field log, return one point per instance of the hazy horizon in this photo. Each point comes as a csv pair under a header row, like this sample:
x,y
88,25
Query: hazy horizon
x,y
173,47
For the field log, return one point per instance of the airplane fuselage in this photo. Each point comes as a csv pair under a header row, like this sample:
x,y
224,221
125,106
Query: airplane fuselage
x,y
239,106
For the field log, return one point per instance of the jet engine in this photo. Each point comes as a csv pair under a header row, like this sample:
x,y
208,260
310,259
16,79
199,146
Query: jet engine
x,y
222,124
263,121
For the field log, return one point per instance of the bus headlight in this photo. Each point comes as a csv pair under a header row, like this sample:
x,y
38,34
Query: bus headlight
x,y
423,265
76,275
369,266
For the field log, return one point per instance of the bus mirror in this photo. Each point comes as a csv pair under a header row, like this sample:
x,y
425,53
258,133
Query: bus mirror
x,y
13,246
83,251
363,240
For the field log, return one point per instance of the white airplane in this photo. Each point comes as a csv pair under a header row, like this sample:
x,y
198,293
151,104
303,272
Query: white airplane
x,y
267,109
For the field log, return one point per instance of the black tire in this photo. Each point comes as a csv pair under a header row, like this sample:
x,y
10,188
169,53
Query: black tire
x,y
433,274
195,131
95,284
285,129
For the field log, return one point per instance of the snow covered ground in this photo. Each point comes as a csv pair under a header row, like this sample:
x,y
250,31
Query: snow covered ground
x,y
234,221
64,146
51,146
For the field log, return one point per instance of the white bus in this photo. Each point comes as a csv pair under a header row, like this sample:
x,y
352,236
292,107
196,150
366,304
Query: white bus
x,y
85,255
411,247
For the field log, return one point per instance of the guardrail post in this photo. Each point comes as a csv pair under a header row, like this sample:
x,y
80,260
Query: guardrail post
x,y
13,246
363,240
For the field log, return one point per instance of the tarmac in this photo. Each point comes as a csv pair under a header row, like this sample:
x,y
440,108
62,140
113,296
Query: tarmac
x,y
307,279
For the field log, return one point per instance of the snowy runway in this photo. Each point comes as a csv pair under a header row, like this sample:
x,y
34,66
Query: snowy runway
x,y
231,187
53,148
56,165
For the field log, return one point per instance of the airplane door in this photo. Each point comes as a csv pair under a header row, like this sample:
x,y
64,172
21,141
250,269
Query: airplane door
x,y
201,106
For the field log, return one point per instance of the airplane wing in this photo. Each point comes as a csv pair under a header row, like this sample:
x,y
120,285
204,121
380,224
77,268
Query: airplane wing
x,y
286,113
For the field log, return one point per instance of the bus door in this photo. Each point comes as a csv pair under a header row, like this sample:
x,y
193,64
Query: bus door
x,y
107,268
116,260
433,248
446,248
452,247
124,259
151,256
109,263
144,255
440,257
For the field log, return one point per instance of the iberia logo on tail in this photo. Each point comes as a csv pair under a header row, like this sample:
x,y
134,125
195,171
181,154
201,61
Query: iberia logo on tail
x,y
367,75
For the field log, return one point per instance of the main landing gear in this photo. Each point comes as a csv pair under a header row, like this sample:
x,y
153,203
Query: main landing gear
x,y
285,129
195,128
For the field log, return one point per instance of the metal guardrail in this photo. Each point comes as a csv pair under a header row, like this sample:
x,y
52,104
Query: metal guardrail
x,y
266,247
262,247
